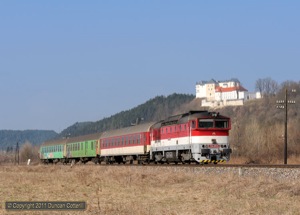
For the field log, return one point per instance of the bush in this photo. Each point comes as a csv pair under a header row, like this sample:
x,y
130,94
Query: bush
x,y
28,151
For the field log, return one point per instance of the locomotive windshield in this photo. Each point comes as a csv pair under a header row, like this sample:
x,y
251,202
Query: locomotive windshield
x,y
206,123
211,123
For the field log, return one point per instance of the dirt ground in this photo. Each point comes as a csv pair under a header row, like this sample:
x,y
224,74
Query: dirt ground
x,y
138,190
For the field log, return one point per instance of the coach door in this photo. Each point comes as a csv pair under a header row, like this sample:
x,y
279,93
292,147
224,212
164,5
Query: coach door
x,y
145,142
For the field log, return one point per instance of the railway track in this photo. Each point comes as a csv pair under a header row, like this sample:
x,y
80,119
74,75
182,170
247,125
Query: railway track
x,y
211,165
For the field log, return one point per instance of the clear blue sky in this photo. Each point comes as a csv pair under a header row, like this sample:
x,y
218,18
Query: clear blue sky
x,y
68,61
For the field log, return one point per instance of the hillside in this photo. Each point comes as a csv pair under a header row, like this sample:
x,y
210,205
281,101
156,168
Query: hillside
x,y
257,132
153,110
9,138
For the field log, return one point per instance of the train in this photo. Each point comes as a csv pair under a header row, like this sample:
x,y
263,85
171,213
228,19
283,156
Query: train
x,y
199,137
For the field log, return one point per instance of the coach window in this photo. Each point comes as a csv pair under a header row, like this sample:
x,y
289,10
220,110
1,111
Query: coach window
x,y
92,145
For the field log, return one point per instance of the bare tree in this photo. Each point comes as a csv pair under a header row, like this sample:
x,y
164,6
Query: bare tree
x,y
259,85
266,86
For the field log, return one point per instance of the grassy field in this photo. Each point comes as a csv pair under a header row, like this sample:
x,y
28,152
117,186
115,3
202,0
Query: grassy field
x,y
139,190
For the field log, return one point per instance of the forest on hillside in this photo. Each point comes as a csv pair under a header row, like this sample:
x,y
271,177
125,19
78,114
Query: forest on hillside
x,y
154,109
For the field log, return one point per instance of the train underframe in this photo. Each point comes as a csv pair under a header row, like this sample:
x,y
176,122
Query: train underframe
x,y
186,156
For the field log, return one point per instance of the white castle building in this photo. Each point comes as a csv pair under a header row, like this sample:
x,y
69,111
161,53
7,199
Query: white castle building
x,y
221,93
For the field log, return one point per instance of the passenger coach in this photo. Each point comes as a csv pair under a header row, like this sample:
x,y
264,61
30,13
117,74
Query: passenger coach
x,y
127,144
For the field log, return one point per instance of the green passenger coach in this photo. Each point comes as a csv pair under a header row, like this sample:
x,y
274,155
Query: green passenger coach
x,y
75,149
52,151
83,148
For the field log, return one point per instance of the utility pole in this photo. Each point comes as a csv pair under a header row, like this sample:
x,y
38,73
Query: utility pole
x,y
284,105
17,158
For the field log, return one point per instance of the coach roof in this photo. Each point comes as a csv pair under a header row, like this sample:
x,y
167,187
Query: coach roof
x,y
54,142
95,136
128,130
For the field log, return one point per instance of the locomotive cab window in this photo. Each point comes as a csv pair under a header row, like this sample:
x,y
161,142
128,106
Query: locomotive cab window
x,y
221,123
206,123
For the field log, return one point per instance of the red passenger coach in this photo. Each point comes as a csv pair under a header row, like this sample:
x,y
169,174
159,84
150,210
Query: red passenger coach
x,y
126,145
196,136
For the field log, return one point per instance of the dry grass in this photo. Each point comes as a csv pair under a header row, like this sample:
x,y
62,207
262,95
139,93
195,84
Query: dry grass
x,y
147,190
243,160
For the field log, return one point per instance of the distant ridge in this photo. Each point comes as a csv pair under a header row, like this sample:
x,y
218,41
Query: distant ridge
x,y
9,138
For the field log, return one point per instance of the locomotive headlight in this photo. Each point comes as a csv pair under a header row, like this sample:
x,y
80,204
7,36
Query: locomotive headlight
x,y
203,146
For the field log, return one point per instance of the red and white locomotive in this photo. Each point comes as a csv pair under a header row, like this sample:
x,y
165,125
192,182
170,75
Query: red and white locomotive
x,y
196,136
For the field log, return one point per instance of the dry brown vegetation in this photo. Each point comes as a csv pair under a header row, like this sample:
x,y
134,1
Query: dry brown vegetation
x,y
27,151
147,190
